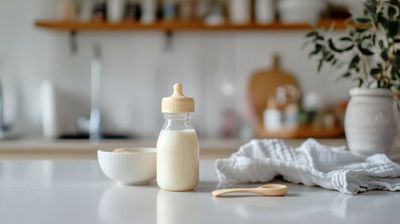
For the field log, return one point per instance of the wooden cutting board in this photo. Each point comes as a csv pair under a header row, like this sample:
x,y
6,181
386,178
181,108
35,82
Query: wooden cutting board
x,y
263,84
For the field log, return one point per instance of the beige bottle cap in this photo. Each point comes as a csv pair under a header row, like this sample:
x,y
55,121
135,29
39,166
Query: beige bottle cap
x,y
177,102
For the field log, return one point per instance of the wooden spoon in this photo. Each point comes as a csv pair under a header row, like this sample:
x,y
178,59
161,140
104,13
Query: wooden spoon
x,y
265,190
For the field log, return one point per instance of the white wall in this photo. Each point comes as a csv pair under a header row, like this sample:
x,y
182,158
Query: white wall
x,y
138,71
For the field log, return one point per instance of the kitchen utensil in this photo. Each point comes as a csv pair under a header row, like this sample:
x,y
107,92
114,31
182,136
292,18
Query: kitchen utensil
x,y
137,166
264,190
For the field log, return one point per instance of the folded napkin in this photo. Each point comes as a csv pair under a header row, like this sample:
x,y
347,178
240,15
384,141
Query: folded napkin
x,y
311,164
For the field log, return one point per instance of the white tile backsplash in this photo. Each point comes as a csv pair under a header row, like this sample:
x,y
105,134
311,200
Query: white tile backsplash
x,y
138,71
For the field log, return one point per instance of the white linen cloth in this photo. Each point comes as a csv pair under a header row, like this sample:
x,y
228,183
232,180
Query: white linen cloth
x,y
311,164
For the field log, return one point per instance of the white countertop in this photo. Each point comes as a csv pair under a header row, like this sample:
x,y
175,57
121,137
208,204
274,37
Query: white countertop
x,y
77,192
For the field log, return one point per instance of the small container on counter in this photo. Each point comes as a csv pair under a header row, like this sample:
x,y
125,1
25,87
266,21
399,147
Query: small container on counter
x,y
300,11
115,10
187,10
67,10
99,11
291,108
169,9
215,14
85,10
177,145
149,10
133,11
239,11
264,11
272,116
129,166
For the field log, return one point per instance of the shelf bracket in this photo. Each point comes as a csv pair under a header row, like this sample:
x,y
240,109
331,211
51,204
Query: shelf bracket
x,y
73,43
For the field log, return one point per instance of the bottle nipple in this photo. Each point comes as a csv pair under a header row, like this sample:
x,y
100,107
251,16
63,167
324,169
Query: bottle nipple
x,y
177,102
178,90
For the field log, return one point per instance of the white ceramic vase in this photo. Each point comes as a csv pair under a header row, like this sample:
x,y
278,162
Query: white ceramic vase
x,y
371,121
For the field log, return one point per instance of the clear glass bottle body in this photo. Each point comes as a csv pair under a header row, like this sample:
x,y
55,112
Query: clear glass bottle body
x,y
177,154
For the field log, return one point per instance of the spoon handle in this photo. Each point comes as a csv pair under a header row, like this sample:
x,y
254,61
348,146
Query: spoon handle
x,y
221,192
265,190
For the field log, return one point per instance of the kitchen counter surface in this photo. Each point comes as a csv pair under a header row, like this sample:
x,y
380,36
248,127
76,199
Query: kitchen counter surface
x,y
76,191
84,149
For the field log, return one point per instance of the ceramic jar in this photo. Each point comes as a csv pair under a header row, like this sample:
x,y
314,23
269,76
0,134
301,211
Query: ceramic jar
x,y
264,11
115,10
300,11
371,121
239,11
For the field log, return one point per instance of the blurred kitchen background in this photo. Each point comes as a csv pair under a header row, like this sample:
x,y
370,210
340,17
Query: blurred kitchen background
x,y
41,40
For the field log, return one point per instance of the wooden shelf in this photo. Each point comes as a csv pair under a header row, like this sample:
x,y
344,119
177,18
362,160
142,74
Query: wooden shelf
x,y
170,27
302,132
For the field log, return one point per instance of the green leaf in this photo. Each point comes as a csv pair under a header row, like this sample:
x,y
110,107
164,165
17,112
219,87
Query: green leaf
x,y
381,44
336,49
315,36
375,71
397,58
384,54
392,11
366,37
360,82
317,49
333,47
330,58
363,20
354,62
312,33
360,30
393,72
320,64
380,18
365,51
346,75
348,48
392,28
346,39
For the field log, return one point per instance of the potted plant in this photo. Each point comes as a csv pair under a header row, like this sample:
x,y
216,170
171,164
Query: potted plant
x,y
368,53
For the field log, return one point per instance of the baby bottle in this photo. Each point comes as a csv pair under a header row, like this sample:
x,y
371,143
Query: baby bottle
x,y
177,145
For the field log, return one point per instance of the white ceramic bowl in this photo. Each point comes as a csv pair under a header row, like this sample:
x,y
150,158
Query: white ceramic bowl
x,y
129,168
300,11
